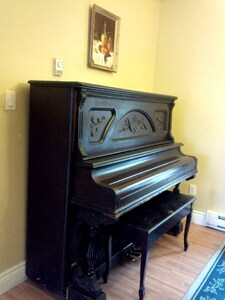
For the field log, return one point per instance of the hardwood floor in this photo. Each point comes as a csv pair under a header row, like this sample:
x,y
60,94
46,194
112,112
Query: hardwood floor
x,y
171,271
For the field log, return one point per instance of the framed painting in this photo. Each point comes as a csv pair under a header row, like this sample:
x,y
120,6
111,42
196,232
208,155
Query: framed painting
x,y
104,40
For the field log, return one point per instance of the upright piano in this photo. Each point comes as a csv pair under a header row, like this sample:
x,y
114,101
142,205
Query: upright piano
x,y
96,153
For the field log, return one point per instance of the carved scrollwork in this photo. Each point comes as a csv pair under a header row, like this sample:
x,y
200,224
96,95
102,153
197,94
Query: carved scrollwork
x,y
134,124
160,117
99,123
83,97
96,124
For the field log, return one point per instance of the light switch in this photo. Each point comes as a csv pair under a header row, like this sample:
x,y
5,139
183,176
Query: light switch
x,y
10,100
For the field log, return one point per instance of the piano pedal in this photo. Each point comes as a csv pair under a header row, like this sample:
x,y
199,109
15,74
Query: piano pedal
x,y
132,255
129,258
136,252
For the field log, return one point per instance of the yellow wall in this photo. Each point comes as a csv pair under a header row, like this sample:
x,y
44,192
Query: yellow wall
x,y
191,64
32,33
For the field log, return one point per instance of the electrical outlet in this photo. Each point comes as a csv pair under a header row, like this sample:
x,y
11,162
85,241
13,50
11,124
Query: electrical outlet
x,y
192,189
58,67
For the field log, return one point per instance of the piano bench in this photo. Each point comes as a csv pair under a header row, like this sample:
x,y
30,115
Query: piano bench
x,y
147,223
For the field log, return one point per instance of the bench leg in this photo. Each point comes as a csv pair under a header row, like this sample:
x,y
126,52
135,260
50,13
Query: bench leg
x,y
145,252
186,230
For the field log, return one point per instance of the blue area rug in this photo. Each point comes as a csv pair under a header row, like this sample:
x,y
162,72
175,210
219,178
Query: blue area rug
x,y
210,285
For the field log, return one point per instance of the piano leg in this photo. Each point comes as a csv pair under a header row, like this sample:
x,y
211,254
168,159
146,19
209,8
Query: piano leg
x,y
145,253
85,285
90,252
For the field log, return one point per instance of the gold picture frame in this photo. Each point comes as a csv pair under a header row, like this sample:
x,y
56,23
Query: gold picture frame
x,y
104,40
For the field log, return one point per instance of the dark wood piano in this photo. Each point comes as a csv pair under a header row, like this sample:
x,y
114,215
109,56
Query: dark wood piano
x,y
96,154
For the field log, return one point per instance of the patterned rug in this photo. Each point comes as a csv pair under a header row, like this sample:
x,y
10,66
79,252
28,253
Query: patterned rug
x,y
210,285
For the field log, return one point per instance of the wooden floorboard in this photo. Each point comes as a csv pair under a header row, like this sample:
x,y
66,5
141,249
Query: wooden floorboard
x,y
171,271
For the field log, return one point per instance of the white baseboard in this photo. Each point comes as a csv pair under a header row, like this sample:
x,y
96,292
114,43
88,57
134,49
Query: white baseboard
x,y
199,217
12,277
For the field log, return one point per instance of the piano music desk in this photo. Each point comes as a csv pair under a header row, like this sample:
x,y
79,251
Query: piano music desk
x,y
154,219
